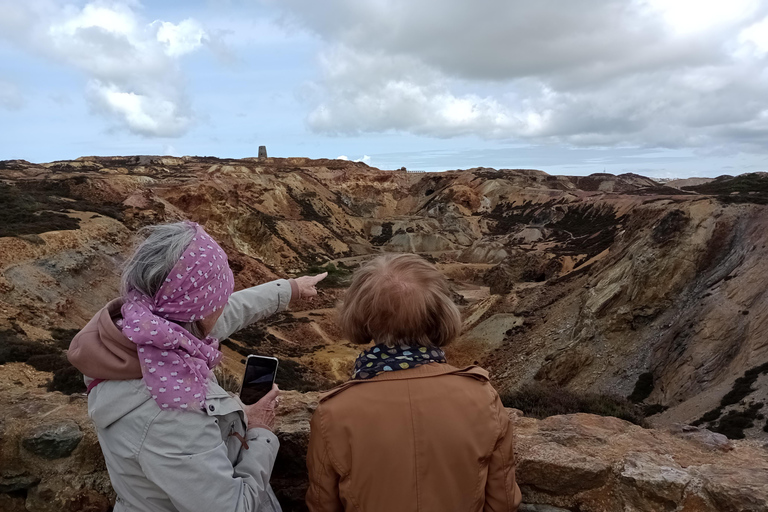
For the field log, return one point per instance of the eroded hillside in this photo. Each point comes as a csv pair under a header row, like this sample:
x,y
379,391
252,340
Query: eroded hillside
x,y
605,284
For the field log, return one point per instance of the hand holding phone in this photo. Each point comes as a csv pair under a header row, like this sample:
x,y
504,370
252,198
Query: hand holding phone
x,y
260,374
262,413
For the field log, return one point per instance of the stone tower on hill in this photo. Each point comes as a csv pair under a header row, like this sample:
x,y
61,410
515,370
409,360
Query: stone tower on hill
x,y
262,151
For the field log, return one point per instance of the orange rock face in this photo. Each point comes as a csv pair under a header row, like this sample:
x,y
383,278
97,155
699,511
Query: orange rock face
x,y
601,284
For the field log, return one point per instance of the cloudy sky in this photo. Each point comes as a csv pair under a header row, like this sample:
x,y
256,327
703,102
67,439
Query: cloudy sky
x,y
665,88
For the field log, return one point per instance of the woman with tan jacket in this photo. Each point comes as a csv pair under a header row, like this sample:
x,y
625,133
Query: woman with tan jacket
x,y
408,432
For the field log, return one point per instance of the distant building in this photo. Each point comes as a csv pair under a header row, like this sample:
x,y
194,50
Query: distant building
x,y
262,151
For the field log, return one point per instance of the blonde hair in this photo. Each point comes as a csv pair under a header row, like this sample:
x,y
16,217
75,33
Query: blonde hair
x,y
399,299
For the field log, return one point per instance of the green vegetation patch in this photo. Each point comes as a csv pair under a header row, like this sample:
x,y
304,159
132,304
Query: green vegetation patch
x,y
734,422
579,229
292,375
34,207
643,388
338,276
43,357
63,337
23,215
747,188
741,388
384,236
15,349
67,380
543,400
669,226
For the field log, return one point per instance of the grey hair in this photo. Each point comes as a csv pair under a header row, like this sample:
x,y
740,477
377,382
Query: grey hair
x,y
153,260
155,256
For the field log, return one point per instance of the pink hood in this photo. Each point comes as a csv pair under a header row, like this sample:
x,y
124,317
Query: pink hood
x,y
101,350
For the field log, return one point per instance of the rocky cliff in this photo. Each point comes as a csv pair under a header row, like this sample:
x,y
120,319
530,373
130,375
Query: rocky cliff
x,y
595,285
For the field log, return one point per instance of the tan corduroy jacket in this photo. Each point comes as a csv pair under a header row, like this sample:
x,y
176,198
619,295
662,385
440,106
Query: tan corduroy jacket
x,y
430,439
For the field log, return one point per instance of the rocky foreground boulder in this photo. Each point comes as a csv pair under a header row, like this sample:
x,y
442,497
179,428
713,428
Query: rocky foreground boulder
x,y
51,460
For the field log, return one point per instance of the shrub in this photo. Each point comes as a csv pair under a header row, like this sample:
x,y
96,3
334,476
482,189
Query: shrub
x,y
709,416
733,424
48,362
294,376
255,335
15,349
227,380
33,207
651,409
63,337
338,277
22,215
543,400
42,357
68,380
237,348
741,388
643,388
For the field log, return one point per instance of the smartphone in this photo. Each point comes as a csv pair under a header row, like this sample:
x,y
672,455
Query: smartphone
x,y
260,373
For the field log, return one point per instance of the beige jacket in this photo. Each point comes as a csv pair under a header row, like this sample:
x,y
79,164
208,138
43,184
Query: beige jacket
x,y
429,439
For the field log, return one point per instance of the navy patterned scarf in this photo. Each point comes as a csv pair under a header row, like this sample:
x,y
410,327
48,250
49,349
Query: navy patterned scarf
x,y
381,358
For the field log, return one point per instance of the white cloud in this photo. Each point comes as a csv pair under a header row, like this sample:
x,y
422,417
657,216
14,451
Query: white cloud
x,y
180,39
757,36
10,96
132,65
670,73
365,159
144,114
691,16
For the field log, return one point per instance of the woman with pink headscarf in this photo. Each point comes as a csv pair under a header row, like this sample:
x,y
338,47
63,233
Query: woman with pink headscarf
x,y
173,439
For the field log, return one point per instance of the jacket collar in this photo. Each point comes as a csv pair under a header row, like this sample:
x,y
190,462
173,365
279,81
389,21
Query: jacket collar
x,y
420,372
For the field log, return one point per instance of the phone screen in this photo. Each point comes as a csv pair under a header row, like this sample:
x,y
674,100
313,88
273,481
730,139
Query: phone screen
x,y
259,376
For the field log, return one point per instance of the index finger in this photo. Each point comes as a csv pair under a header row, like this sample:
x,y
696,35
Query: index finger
x,y
319,277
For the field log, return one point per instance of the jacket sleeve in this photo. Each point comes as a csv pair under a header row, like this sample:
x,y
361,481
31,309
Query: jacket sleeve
x,y
323,491
184,455
501,491
251,305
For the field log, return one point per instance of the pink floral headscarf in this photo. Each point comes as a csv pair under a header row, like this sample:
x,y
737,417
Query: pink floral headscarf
x,y
175,363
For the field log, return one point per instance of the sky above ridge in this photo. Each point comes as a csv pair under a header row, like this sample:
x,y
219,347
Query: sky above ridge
x,y
664,88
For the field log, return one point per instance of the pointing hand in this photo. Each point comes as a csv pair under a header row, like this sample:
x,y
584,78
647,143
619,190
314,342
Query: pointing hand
x,y
308,284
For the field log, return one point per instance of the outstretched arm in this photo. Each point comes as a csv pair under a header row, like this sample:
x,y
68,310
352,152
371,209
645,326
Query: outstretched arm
x,y
258,302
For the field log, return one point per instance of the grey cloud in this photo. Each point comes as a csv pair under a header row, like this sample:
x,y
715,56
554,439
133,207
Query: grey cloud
x,y
588,72
502,39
